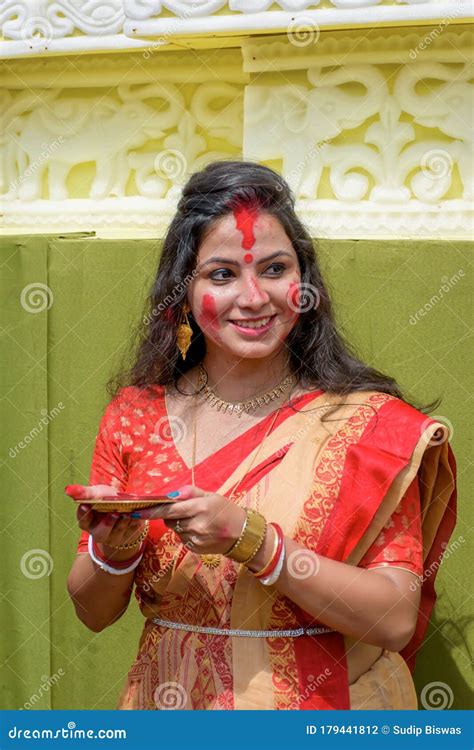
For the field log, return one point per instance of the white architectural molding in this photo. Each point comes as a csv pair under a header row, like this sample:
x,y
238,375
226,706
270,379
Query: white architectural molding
x,y
442,43
369,150
37,27
296,17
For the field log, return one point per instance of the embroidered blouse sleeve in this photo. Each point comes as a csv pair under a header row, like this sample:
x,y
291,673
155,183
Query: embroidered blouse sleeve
x,y
399,544
107,466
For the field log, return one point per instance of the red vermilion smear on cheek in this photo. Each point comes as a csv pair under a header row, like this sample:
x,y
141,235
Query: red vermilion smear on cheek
x,y
209,311
293,296
245,217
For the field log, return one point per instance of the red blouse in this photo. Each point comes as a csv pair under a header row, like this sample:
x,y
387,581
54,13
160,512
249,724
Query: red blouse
x,y
135,452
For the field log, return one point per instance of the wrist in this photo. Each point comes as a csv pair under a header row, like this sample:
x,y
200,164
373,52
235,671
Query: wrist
x,y
129,548
112,566
264,553
118,555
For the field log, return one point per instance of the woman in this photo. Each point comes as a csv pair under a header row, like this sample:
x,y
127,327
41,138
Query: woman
x,y
309,495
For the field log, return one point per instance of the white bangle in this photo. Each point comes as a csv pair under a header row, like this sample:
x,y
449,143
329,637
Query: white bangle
x,y
273,577
109,568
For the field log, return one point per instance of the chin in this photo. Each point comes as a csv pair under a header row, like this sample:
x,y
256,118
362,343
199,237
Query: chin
x,y
253,350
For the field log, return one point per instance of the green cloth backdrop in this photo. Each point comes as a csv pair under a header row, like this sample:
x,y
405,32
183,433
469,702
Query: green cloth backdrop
x,y
56,355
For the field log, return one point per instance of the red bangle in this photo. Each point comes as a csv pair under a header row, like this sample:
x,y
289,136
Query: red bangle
x,y
272,563
115,563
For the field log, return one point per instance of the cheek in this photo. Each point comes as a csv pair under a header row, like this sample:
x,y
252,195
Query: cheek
x,y
208,317
292,298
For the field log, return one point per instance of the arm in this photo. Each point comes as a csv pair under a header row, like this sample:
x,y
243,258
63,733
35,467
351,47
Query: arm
x,y
380,604
101,598
377,607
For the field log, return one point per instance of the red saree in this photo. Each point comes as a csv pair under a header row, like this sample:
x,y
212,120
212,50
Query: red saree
x,y
372,485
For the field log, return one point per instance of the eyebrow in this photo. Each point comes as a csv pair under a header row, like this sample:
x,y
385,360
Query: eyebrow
x,y
277,254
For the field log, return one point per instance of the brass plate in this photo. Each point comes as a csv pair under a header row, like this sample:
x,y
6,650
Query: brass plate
x,y
106,505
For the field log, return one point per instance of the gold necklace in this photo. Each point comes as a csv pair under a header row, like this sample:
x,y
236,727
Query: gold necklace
x,y
213,560
250,404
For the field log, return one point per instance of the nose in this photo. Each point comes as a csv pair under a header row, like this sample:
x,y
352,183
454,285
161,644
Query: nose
x,y
252,293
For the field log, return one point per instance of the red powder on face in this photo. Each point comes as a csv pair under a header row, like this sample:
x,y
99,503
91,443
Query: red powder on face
x,y
209,311
245,217
293,295
248,257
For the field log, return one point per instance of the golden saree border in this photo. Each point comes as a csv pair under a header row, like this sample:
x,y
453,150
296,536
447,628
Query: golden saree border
x,y
302,492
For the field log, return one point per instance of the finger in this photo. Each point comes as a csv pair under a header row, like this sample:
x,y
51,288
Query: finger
x,y
175,510
124,530
102,527
89,492
85,517
189,490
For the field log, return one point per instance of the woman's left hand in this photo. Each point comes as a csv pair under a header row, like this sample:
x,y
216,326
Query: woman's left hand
x,y
207,523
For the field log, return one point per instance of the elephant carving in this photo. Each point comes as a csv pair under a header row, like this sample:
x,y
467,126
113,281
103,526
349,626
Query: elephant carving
x,y
292,122
447,108
101,131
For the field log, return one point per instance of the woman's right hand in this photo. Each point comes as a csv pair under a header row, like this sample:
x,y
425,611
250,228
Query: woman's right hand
x,y
108,530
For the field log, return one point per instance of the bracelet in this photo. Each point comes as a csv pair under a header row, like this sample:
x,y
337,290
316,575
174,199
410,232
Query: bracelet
x,y
137,541
109,568
273,577
250,539
270,566
116,564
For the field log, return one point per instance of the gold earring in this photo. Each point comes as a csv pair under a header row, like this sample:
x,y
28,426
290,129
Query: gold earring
x,y
184,332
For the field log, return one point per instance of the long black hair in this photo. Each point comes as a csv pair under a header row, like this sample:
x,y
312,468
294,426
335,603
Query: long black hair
x,y
318,353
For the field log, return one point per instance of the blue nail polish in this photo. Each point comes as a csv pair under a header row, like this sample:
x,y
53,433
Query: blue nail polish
x,y
135,514
173,494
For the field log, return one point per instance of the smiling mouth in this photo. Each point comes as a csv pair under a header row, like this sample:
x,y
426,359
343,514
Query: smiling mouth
x,y
253,322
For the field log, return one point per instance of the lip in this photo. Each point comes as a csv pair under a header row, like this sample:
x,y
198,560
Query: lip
x,y
254,332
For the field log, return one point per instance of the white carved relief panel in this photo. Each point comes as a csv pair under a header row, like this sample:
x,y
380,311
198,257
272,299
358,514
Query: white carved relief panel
x,y
369,149
22,18
305,122
135,141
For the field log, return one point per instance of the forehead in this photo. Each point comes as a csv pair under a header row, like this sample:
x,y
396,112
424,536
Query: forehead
x,y
224,236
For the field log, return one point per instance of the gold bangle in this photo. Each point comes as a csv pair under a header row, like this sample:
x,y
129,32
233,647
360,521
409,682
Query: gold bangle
x,y
241,536
137,541
250,539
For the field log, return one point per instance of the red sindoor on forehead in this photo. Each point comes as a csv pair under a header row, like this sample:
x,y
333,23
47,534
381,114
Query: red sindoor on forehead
x,y
245,217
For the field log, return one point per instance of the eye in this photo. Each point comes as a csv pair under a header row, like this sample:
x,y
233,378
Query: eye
x,y
279,266
214,274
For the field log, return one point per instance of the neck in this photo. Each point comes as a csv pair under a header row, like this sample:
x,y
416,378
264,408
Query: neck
x,y
235,379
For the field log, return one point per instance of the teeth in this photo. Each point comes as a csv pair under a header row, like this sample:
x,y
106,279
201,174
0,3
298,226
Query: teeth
x,y
256,324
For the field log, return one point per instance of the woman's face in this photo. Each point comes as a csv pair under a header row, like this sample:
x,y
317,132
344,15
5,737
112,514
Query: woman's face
x,y
244,294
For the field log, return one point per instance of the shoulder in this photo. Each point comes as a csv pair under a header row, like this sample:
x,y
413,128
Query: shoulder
x,y
132,401
384,417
